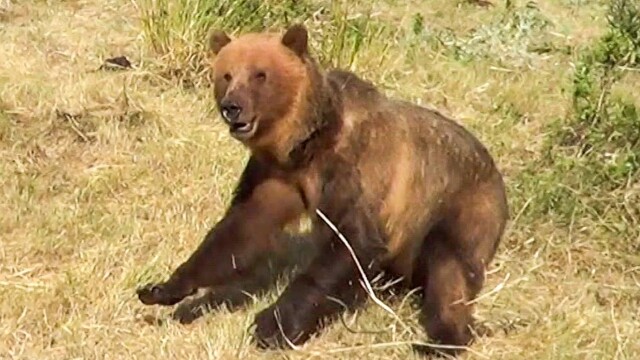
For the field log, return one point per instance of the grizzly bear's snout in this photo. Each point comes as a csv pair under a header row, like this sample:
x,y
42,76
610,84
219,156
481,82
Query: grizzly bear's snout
x,y
230,111
242,124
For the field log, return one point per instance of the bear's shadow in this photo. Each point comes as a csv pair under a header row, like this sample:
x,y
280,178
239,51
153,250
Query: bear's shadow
x,y
296,251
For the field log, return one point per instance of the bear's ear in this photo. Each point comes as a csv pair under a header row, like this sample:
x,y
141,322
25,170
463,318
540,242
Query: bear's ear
x,y
295,38
217,40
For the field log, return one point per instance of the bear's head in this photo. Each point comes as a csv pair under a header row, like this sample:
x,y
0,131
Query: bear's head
x,y
260,83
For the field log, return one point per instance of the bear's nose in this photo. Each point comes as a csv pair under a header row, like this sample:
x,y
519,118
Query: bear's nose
x,y
230,111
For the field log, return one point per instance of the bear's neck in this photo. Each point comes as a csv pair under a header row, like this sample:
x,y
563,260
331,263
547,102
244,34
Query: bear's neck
x,y
320,120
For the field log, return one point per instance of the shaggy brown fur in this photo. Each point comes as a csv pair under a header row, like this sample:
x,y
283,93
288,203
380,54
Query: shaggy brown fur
x,y
414,192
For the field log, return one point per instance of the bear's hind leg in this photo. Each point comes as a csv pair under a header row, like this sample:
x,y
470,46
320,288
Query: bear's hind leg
x,y
446,289
455,256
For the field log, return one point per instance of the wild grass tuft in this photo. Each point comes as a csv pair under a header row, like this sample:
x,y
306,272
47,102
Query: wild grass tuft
x,y
177,30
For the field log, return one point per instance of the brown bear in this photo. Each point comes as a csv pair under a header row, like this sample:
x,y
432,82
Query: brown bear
x,y
414,193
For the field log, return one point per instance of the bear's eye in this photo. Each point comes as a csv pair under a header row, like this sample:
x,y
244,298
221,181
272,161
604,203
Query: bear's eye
x,y
227,77
261,76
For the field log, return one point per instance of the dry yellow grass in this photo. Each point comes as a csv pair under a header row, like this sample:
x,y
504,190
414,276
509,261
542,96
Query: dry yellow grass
x,y
110,179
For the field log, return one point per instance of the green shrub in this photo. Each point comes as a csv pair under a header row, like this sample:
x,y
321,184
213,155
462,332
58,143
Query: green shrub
x,y
510,38
590,165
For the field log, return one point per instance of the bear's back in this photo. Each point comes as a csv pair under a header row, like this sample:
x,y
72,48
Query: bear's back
x,y
376,122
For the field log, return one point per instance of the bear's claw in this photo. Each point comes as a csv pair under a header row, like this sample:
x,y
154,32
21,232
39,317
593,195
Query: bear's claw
x,y
157,294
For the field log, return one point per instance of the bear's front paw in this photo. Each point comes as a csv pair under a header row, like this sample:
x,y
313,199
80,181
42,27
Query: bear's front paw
x,y
158,294
275,323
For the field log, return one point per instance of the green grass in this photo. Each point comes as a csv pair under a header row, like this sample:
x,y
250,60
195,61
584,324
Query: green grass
x,y
111,178
595,151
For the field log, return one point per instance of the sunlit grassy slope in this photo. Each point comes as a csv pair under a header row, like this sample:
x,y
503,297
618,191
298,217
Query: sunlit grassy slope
x,y
111,178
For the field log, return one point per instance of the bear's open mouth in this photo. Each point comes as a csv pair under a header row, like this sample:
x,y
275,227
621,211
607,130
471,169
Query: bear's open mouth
x,y
241,127
243,130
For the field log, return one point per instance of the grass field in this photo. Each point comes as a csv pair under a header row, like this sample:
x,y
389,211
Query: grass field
x,y
111,178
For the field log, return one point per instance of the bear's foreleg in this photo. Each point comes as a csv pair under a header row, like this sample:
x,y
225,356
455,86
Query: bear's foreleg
x,y
327,287
263,204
